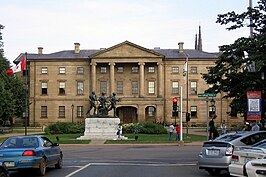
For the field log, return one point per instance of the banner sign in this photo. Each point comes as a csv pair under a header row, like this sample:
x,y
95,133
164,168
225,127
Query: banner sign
x,y
254,105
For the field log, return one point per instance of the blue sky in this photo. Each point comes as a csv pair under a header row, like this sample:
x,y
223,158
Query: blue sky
x,y
56,25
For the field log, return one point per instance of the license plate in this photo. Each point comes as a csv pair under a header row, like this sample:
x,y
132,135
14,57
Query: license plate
x,y
9,164
213,152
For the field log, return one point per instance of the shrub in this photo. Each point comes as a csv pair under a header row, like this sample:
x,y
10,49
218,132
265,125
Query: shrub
x,y
145,128
65,128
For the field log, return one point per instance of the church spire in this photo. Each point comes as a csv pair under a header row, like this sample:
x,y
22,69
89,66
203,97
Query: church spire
x,y
196,42
199,40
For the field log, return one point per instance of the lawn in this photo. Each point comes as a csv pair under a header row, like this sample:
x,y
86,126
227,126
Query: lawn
x,y
154,138
142,139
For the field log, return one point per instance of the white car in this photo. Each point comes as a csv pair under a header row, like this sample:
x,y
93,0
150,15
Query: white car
x,y
242,155
256,168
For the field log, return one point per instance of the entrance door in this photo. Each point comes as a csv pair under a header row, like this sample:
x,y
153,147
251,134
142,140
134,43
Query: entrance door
x,y
127,114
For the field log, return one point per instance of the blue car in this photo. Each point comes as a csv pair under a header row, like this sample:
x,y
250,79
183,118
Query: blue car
x,y
30,152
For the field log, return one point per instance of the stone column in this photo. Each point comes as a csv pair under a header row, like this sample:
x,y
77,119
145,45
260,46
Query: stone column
x,y
93,76
141,79
160,84
112,78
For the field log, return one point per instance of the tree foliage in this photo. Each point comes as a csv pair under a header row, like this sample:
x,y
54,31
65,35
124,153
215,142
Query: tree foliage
x,y
12,90
230,75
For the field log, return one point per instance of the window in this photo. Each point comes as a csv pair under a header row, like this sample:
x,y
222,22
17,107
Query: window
x,y
79,111
211,111
151,111
103,69
44,88
151,88
61,111
62,88
175,87
80,70
151,69
43,111
44,70
135,87
103,86
175,69
193,69
119,87
80,86
120,69
62,70
135,69
193,111
193,87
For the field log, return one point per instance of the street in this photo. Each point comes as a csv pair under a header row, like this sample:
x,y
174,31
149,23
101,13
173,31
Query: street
x,y
126,161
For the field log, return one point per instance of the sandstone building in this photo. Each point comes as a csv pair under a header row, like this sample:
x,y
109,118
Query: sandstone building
x,y
146,80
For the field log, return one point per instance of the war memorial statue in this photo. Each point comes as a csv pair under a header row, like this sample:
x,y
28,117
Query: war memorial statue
x,y
100,125
105,105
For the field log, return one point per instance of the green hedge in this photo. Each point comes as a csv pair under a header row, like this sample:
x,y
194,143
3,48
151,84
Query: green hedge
x,y
144,128
65,128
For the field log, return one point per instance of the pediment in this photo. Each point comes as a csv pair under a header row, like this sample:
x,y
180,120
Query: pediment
x,y
127,50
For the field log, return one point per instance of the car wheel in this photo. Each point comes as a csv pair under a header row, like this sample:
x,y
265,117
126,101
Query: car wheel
x,y
59,163
42,168
2,174
214,171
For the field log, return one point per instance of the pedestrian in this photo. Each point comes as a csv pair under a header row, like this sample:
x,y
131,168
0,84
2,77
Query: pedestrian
x,y
177,128
171,131
119,131
223,128
255,126
247,127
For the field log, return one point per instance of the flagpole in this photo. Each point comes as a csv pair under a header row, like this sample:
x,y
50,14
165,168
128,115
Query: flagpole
x,y
26,96
187,93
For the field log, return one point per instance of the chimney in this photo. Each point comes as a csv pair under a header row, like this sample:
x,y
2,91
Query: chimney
x,y
181,47
40,50
77,49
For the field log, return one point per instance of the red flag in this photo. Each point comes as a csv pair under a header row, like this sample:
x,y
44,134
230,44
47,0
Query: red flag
x,y
19,67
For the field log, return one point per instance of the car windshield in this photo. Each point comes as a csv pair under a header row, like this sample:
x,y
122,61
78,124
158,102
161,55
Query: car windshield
x,y
20,142
228,137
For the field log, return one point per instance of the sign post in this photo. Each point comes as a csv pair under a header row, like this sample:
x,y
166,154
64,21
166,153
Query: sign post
x,y
207,95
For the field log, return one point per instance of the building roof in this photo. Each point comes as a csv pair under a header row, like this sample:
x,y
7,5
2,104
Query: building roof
x,y
86,54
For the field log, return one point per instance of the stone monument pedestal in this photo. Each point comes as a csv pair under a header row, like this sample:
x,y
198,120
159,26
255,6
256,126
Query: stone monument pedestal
x,y
100,128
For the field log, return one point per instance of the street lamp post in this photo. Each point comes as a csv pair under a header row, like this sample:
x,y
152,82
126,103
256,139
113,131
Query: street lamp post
x,y
72,108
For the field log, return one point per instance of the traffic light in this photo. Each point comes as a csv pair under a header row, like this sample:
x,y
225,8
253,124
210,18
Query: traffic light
x,y
187,116
174,104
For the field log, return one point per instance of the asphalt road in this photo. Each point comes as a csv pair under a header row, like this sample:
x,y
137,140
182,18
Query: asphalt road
x,y
127,161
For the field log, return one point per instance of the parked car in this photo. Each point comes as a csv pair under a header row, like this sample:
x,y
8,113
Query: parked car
x,y
3,170
216,155
242,155
256,168
26,152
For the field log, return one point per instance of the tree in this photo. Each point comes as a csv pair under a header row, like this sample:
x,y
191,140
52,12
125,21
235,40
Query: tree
x,y
231,74
12,92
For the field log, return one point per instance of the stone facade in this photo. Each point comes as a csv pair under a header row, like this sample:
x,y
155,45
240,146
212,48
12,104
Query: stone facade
x,y
146,81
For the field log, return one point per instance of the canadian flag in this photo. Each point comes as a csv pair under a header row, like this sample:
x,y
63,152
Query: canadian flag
x,y
19,67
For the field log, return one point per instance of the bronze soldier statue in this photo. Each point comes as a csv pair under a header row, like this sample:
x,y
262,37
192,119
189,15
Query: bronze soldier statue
x,y
113,101
93,100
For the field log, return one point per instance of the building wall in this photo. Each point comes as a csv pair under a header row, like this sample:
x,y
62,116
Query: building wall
x,y
126,56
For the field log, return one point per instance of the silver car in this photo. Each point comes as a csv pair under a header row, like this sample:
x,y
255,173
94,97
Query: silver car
x,y
216,155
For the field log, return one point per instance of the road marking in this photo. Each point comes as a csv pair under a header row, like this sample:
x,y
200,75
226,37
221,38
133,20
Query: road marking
x,y
139,164
78,170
